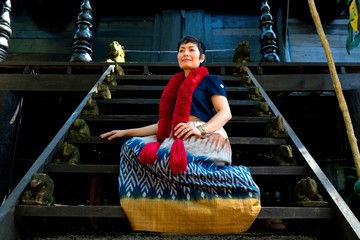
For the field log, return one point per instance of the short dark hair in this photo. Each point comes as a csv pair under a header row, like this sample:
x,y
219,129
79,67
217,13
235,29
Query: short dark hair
x,y
191,39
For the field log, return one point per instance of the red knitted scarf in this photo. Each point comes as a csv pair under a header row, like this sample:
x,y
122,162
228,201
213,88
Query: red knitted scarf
x,y
175,106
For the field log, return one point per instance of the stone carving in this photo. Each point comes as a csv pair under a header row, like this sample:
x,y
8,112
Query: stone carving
x,y
69,154
241,56
40,192
254,94
275,128
79,128
116,52
240,70
306,193
242,52
91,108
245,80
110,79
102,91
119,70
283,156
262,109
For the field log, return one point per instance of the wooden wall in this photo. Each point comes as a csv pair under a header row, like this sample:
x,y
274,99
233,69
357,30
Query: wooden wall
x,y
42,32
155,38
145,37
150,35
305,44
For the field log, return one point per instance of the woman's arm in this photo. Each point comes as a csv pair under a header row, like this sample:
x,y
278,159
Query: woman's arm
x,y
222,116
132,132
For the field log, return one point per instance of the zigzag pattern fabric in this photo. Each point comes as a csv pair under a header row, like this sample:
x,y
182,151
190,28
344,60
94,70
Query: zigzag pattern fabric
x,y
207,198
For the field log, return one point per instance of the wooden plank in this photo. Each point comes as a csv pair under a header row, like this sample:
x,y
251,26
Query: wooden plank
x,y
170,33
146,101
69,211
82,168
66,82
152,118
161,88
194,24
296,82
114,169
296,213
117,212
48,83
305,46
307,82
156,37
120,118
233,140
44,46
206,38
229,21
277,170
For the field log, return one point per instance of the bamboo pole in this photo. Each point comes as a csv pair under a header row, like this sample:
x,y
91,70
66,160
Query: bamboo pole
x,y
337,87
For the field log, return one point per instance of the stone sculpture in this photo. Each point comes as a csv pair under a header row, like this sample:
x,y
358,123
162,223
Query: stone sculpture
x,y
69,154
40,192
116,52
306,193
283,156
79,128
275,128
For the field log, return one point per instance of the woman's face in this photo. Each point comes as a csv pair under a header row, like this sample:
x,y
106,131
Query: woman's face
x,y
189,57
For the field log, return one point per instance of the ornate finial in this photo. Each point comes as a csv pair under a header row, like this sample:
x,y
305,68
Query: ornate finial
x,y
5,29
268,38
83,37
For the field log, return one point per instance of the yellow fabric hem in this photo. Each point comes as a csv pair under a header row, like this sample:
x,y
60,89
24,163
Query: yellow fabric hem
x,y
201,217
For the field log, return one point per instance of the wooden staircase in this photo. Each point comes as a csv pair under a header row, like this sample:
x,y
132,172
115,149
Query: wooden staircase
x,y
86,194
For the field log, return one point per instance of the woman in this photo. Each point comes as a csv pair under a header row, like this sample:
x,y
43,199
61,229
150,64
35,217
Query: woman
x,y
176,175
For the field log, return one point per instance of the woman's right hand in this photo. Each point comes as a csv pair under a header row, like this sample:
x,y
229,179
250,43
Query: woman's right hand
x,y
113,134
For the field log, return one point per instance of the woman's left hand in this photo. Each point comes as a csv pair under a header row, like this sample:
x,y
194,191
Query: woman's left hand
x,y
184,131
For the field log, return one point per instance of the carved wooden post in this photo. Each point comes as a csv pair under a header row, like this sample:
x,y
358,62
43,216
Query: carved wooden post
x,y
83,37
268,38
5,29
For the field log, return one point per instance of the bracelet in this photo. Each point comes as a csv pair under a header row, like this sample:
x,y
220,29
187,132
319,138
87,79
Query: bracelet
x,y
202,130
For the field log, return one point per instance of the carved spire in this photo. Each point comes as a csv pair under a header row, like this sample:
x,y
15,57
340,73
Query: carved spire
x,y
83,37
5,29
268,38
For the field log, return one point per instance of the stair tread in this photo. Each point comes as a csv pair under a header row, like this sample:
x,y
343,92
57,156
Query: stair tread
x,y
114,168
111,211
128,87
233,140
157,101
164,78
108,117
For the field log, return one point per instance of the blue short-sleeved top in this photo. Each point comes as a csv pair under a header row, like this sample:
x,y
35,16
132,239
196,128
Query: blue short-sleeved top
x,y
201,106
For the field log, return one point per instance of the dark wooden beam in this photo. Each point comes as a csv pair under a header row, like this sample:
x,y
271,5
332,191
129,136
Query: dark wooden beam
x,y
84,82
48,82
307,82
117,212
114,169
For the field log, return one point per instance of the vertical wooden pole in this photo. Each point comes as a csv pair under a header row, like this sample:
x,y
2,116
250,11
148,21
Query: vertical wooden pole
x,y
337,86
